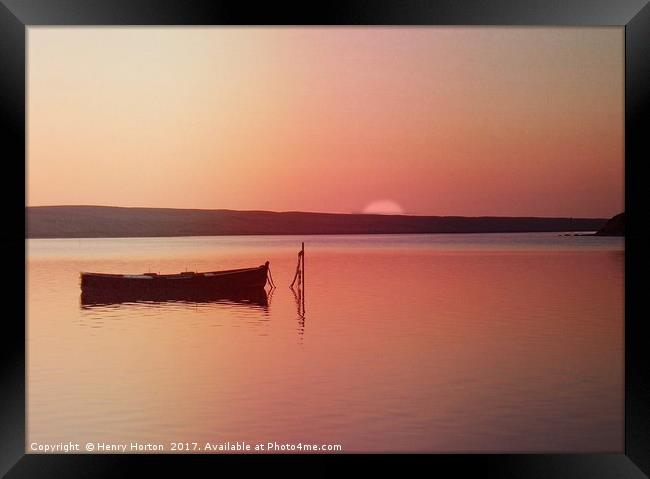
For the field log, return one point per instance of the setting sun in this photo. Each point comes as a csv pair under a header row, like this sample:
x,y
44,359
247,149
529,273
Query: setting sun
x,y
383,207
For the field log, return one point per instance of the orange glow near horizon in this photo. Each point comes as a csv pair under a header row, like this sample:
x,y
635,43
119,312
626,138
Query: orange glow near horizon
x,y
441,121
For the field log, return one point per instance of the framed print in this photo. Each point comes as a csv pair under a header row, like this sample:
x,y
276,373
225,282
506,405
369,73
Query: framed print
x,y
255,233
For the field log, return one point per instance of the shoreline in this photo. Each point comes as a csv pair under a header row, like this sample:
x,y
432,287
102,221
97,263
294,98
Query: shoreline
x,y
554,233
113,222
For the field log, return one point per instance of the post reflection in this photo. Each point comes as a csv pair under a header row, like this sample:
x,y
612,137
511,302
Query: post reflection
x,y
299,298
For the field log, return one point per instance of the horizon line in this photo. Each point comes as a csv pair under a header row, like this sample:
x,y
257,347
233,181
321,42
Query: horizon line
x,y
360,213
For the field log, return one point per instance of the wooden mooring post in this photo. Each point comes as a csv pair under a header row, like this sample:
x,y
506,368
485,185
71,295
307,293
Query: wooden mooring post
x,y
303,278
302,268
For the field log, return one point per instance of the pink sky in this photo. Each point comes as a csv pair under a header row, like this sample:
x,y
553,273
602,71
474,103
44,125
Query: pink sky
x,y
441,121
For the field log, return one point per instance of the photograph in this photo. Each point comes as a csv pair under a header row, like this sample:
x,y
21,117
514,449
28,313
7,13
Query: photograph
x,y
325,239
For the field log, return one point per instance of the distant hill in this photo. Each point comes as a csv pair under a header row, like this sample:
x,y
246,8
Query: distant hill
x,y
114,222
614,227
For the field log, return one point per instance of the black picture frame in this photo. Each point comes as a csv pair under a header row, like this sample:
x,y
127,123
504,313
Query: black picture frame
x,y
634,15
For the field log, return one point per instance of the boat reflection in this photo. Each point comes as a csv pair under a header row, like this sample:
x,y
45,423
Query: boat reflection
x,y
256,298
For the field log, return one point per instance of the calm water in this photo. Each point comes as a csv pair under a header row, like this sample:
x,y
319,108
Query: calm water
x,y
438,343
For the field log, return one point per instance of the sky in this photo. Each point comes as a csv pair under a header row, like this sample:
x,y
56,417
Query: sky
x,y
420,120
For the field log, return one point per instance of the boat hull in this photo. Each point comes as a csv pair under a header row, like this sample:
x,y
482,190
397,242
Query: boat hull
x,y
174,285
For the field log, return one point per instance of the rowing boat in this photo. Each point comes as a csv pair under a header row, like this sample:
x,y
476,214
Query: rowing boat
x,y
162,285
